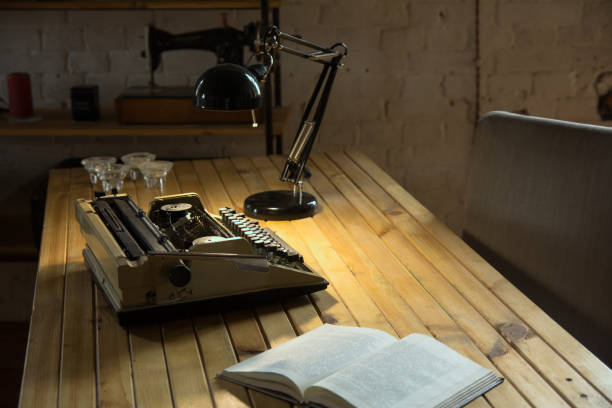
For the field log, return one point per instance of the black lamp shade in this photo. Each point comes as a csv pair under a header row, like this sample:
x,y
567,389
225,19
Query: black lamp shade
x,y
228,87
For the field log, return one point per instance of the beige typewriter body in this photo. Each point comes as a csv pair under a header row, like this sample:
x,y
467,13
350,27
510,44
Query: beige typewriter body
x,y
210,269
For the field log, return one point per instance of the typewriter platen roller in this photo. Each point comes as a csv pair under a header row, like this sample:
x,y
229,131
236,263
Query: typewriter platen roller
x,y
181,259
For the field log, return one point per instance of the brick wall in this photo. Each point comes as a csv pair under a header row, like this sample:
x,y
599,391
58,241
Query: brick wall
x,y
407,96
543,57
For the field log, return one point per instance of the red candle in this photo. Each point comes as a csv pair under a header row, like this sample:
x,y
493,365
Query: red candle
x,y
19,94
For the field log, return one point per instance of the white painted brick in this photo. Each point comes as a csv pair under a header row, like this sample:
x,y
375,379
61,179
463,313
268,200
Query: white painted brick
x,y
62,38
106,18
187,62
324,35
56,87
19,39
448,37
296,15
597,13
428,13
387,133
357,38
32,18
577,109
529,14
110,86
166,79
552,84
135,38
182,21
543,106
35,62
457,86
388,12
598,56
126,62
415,88
534,36
343,13
423,131
88,62
99,38
535,59
461,61
138,80
239,18
579,35
36,86
516,85
406,37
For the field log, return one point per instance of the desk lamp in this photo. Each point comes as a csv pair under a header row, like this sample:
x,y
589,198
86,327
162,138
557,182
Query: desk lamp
x,y
234,87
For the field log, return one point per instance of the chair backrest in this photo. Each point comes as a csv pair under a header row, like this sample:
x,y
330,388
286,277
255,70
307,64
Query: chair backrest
x,y
539,208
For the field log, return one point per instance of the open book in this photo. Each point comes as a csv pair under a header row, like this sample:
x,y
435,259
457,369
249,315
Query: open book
x,y
337,367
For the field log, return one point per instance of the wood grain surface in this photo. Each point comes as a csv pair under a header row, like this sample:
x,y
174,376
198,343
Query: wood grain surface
x,y
390,263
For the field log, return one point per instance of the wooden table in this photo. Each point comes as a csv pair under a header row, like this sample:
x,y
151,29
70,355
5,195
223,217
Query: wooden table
x,y
392,266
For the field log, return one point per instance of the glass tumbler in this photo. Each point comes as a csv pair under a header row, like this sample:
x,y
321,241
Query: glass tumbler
x,y
112,177
154,173
136,159
90,164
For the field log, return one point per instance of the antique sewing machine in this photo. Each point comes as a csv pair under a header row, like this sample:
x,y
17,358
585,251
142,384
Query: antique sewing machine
x,y
156,104
180,259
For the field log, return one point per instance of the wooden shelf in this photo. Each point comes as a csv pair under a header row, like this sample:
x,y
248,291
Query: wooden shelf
x,y
59,123
135,4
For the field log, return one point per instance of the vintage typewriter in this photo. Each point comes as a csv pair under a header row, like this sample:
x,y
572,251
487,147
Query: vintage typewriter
x,y
181,260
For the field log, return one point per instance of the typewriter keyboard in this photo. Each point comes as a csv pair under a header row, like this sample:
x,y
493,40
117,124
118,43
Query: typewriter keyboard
x,y
263,240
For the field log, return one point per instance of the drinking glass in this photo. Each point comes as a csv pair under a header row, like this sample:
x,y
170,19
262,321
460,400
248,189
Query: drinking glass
x,y
90,164
112,176
136,159
154,173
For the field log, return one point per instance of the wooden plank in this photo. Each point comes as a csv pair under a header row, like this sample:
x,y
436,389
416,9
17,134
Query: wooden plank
x,y
273,318
248,341
515,331
40,384
185,369
215,195
328,303
115,383
596,372
333,262
150,372
242,325
436,320
527,381
151,384
78,381
218,354
303,316
135,4
377,287
214,341
115,388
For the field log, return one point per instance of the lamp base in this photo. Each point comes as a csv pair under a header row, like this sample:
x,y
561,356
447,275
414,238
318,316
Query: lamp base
x,y
280,205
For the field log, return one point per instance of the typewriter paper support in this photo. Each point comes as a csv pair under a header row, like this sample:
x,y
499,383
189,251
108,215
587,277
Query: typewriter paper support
x,y
146,275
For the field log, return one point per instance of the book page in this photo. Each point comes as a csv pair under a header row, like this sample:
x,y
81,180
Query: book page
x,y
311,356
416,371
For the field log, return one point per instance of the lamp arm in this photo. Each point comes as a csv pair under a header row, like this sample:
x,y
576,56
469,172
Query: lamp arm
x,y
323,55
306,135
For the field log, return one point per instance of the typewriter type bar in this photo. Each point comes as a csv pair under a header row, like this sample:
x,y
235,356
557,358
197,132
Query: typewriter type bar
x,y
180,259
